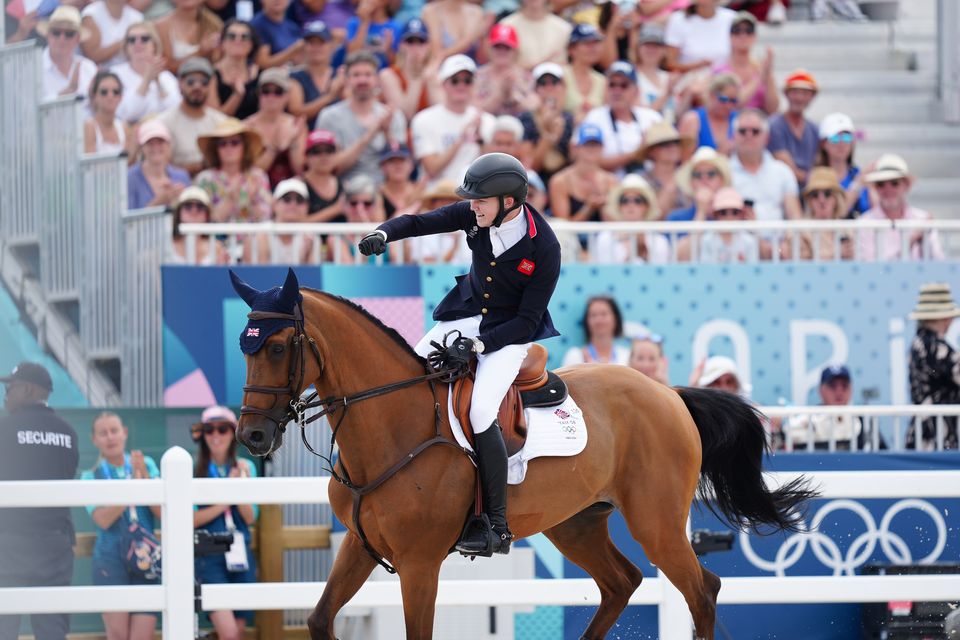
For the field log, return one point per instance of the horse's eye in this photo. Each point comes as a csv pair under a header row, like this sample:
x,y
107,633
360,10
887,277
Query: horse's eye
x,y
278,348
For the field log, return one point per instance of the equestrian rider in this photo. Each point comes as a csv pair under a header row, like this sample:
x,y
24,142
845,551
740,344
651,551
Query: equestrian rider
x,y
499,308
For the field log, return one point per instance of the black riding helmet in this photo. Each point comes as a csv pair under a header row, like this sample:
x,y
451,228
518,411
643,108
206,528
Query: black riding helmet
x,y
495,175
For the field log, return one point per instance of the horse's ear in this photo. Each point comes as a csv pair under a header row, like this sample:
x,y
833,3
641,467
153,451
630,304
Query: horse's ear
x,y
245,291
290,292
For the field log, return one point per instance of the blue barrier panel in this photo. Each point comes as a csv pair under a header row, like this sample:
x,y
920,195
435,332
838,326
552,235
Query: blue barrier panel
x,y
781,322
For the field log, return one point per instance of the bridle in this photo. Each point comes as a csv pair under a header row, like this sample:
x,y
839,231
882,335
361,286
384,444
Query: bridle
x,y
283,411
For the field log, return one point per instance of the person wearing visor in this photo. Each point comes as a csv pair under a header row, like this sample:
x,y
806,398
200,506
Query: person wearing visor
x,y
495,312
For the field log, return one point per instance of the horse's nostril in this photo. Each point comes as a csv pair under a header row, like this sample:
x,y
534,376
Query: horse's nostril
x,y
256,436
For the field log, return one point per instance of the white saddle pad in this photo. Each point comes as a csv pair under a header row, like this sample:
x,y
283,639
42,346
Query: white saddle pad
x,y
551,431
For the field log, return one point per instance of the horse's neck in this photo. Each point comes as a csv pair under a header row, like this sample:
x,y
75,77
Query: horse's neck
x,y
358,356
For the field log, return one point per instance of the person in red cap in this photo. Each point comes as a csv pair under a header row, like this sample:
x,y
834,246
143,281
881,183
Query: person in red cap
x,y
503,86
794,140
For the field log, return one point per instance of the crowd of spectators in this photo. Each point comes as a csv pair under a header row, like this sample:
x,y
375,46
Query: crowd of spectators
x,y
239,96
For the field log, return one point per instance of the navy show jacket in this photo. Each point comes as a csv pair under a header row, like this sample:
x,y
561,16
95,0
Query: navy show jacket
x,y
510,292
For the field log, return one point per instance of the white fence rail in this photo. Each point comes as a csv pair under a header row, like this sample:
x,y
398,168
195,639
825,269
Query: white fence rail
x,y
787,234
177,491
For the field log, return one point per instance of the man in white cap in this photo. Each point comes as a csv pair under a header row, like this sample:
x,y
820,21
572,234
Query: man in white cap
x,y
447,136
547,129
892,181
719,372
290,200
65,71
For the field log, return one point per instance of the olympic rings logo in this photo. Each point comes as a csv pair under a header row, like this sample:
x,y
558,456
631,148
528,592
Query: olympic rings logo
x,y
861,548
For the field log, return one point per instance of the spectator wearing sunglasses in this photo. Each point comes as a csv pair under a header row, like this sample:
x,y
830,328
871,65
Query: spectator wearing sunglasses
x,y
621,121
190,30
150,88
65,72
793,138
632,200
107,21
837,140
284,136
892,181
290,200
363,203
235,73
712,125
661,154
217,458
758,89
324,188
400,193
105,132
759,176
647,357
239,190
547,128
699,178
447,136
823,199
193,207
192,118
722,247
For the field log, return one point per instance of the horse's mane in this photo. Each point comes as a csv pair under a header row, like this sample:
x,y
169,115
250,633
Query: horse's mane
x,y
391,333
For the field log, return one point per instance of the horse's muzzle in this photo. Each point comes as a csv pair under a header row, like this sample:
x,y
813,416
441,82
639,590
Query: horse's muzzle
x,y
260,437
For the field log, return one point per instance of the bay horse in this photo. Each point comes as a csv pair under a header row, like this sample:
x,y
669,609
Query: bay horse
x,y
650,448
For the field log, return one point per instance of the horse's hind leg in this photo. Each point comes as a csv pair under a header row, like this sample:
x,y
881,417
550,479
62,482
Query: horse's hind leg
x,y
668,548
350,570
585,540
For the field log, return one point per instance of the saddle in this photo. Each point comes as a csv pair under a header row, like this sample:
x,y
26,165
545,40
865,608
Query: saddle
x,y
533,387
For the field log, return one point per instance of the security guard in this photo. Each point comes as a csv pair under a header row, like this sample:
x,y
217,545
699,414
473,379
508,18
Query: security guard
x,y
499,308
36,544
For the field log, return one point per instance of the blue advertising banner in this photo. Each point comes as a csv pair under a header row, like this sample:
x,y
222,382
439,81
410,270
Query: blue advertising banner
x,y
781,322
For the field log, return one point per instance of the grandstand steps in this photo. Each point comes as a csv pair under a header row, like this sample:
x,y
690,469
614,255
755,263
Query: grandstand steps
x,y
883,76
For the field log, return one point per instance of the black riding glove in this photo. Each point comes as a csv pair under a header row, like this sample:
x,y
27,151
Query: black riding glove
x,y
373,244
452,356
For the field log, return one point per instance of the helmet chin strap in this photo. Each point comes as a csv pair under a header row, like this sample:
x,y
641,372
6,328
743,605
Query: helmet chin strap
x,y
503,212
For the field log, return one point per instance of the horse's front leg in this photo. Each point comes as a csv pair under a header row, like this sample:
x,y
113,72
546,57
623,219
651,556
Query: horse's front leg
x,y
418,584
350,570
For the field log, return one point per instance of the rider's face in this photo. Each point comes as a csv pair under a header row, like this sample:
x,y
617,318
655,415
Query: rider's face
x,y
486,209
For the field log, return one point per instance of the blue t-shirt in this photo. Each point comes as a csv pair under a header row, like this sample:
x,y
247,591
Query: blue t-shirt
x,y
139,191
803,150
219,525
681,215
279,35
108,540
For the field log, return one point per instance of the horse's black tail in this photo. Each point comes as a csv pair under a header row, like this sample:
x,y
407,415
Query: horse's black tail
x,y
734,443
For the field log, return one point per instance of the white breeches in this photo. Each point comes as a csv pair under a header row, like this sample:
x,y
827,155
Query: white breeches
x,y
495,371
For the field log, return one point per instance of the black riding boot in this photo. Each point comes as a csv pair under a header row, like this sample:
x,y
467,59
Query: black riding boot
x,y
492,455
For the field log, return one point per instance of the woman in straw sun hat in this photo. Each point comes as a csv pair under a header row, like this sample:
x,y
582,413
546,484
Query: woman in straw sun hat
x,y
823,199
239,191
661,154
934,364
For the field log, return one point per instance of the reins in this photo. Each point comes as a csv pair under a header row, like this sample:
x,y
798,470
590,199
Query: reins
x,y
294,410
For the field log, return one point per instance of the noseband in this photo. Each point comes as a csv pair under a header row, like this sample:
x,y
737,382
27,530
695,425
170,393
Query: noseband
x,y
283,411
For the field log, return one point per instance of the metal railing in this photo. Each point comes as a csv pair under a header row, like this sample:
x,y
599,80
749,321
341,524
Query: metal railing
x,y
60,202
790,232
146,233
103,181
19,142
862,428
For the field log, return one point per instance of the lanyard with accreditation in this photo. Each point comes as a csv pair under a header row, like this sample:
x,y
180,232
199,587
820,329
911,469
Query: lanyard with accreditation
x,y
236,556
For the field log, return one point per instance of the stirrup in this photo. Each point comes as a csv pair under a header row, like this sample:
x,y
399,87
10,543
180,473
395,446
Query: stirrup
x,y
479,538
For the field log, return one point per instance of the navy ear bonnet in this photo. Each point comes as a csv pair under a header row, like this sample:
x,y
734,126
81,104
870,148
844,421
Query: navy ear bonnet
x,y
277,300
